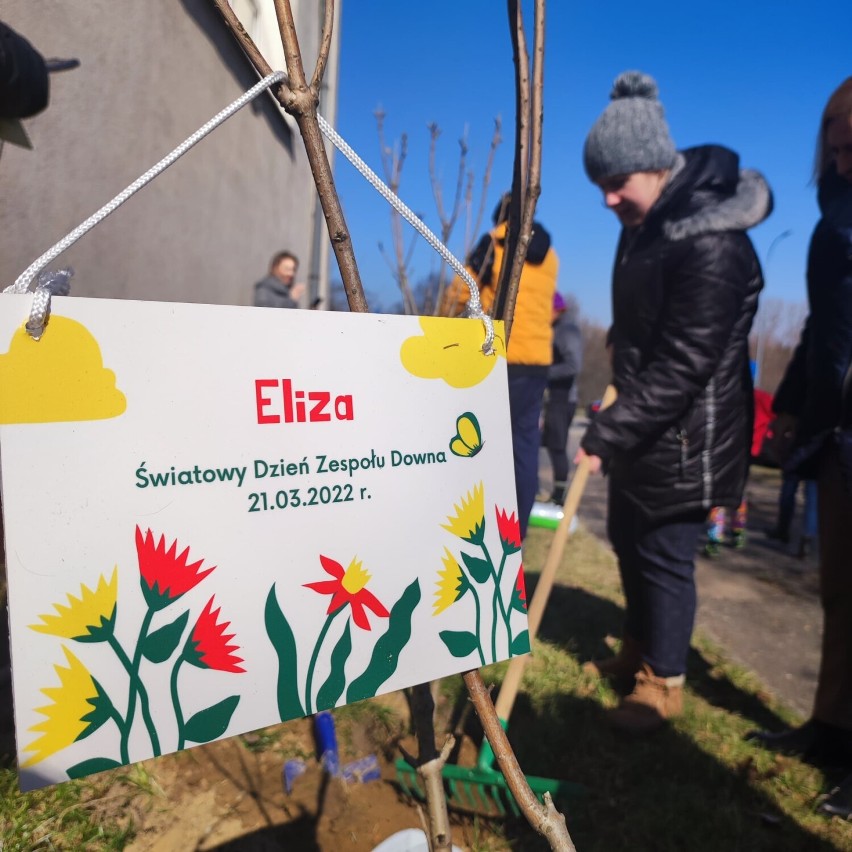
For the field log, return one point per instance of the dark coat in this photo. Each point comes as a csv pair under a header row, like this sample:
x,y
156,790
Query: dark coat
x,y
271,292
567,354
24,85
817,387
684,293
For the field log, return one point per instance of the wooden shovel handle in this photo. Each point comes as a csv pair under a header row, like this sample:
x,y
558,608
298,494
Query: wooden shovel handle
x,y
512,681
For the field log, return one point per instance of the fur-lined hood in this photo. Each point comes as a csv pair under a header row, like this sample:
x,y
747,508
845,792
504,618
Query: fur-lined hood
x,y
709,193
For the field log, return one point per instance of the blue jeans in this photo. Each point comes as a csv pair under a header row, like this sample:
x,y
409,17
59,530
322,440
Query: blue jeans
x,y
657,565
526,392
787,505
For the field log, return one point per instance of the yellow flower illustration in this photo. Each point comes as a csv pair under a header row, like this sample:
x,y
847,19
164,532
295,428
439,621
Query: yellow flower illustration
x,y
89,618
79,707
468,523
452,583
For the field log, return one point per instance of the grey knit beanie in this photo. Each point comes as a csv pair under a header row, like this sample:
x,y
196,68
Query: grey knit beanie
x,y
631,134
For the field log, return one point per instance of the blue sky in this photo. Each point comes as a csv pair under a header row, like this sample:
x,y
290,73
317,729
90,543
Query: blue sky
x,y
750,75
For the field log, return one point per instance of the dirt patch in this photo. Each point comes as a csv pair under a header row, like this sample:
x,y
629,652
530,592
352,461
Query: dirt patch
x,y
229,796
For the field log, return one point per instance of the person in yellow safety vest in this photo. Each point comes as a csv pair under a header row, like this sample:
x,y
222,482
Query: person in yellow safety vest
x,y
530,350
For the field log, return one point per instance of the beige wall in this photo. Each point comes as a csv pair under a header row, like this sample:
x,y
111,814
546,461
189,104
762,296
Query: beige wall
x,y
151,73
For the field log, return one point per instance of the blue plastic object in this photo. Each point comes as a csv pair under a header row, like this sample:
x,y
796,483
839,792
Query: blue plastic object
x,y
327,742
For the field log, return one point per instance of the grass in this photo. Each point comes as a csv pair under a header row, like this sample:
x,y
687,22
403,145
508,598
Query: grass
x,y
66,817
697,785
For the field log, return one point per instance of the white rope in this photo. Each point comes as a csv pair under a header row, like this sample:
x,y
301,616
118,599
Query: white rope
x,y
474,305
41,304
22,284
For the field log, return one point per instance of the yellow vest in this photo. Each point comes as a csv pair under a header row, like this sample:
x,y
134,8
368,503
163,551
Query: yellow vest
x,y
531,340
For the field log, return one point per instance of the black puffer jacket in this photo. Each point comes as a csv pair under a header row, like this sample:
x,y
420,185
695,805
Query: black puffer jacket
x,y
817,387
685,288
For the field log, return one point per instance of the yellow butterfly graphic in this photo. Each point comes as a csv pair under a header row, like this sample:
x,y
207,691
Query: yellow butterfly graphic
x,y
467,441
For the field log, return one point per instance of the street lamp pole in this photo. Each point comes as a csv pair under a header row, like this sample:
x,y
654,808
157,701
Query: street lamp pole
x,y
761,336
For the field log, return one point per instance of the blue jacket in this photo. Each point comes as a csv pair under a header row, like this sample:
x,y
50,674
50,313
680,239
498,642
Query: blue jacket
x,y
817,387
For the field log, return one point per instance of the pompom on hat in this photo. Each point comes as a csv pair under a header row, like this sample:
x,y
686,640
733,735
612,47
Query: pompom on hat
x,y
631,134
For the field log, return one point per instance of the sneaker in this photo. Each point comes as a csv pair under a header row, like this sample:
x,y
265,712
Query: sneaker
x,y
711,549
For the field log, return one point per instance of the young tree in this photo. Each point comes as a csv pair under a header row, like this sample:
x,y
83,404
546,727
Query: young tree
x,y
300,100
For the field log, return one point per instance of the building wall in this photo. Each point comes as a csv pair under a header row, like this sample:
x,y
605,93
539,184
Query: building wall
x,y
151,74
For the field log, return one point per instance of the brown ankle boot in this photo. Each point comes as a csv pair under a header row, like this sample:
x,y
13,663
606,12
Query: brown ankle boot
x,y
653,701
623,666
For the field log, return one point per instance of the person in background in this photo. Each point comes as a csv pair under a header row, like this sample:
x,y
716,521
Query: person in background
x,y
724,524
279,289
676,440
561,401
787,509
24,82
814,430
530,345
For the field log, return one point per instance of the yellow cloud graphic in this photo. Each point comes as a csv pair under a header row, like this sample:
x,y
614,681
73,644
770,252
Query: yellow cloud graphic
x,y
451,349
60,378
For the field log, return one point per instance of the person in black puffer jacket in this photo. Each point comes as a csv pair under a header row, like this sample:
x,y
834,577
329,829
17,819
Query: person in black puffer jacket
x,y
676,441
814,406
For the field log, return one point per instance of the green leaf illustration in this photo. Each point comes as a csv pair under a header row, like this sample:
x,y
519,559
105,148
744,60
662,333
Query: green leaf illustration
x,y
332,689
459,643
479,568
92,765
521,644
161,644
387,649
209,724
281,636
101,632
102,710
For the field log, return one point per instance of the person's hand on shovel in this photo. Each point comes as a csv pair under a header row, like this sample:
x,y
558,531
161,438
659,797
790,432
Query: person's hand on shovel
x,y
594,462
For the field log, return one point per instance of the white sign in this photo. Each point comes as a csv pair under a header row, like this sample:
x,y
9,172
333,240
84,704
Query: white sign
x,y
218,518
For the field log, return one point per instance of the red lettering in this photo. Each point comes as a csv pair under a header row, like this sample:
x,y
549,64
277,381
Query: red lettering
x,y
287,393
320,400
263,401
300,406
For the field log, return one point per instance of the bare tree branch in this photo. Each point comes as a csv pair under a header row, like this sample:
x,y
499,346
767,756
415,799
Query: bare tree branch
x,y
545,819
532,186
249,47
516,241
496,139
393,160
430,765
447,222
325,45
300,101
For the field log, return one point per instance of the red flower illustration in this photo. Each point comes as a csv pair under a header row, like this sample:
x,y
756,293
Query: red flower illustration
x,y
165,576
348,587
509,530
207,646
519,593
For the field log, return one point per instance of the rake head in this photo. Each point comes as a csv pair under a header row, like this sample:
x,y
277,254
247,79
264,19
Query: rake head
x,y
484,791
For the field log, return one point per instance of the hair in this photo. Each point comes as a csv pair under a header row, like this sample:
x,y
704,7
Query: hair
x,y
282,255
839,106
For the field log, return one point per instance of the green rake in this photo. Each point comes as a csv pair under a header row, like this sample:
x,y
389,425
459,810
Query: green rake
x,y
484,789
